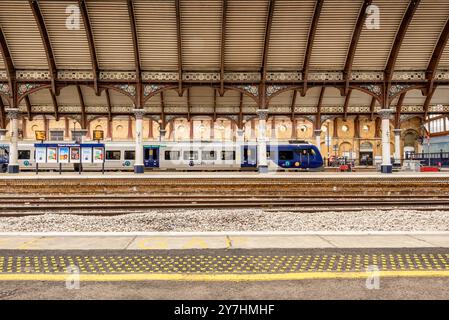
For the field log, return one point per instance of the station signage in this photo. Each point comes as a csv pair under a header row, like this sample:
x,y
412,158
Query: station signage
x,y
98,135
40,135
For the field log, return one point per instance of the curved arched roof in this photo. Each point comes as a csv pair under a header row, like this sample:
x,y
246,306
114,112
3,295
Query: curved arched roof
x,y
370,50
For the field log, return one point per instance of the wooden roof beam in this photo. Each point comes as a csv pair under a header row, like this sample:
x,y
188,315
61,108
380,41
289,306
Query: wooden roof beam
x,y
29,108
90,41
2,114
83,107
9,65
132,19
45,41
354,42
108,101
240,119
266,45
429,97
179,44
436,57
55,104
188,104
162,124
371,108
223,44
346,105
215,105
400,35
311,38
397,117
318,109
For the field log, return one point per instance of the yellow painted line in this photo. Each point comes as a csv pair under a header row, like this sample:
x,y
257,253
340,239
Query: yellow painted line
x,y
222,277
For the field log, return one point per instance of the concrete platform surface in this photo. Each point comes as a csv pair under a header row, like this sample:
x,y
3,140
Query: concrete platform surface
x,y
236,240
239,175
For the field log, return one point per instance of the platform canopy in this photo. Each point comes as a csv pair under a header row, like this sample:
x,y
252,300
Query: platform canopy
x,y
186,58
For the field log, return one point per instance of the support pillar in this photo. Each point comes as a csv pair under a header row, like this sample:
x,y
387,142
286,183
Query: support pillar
x,y
212,130
240,139
138,163
66,128
294,135
13,116
273,128
386,166
397,146
262,141
318,138
162,134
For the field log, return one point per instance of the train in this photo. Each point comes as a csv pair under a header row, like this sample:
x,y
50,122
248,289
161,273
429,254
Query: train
x,y
173,156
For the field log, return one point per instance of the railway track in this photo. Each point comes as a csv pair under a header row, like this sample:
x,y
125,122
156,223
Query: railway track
x,y
116,205
120,196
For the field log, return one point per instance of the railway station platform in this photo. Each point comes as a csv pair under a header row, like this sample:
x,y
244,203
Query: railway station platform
x,y
233,256
129,241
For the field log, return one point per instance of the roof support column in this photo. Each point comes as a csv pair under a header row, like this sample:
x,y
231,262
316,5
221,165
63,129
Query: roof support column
x,y
397,146
13,116
262,141
386,166
239,141
138,164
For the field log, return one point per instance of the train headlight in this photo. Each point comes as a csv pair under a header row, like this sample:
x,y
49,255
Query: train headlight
x,y
297,164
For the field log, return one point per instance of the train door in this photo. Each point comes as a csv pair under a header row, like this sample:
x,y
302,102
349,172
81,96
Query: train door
x,y
151,156
249,159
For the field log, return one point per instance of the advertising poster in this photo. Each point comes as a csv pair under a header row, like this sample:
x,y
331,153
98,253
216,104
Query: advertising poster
x,y
98,155
64,155
41,154
52,155
75,154
87,154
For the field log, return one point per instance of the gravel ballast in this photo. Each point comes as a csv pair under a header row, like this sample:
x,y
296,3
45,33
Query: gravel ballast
x,y
233,220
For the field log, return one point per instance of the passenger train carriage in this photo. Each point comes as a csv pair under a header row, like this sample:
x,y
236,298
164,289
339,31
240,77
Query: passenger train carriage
x,y
186,156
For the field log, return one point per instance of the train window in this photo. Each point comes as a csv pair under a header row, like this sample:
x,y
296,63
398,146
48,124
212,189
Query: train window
x,y
24,155
209,155
190,155
285,155
113,155
130,155
172,155
305,152
228,155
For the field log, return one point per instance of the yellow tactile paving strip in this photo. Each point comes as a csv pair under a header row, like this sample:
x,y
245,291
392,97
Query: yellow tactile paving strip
x,y
221,267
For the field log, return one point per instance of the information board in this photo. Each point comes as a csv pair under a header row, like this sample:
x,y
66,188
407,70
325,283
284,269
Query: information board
x,y
52,155
41,155
75,154
64,155
86,154
98,155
